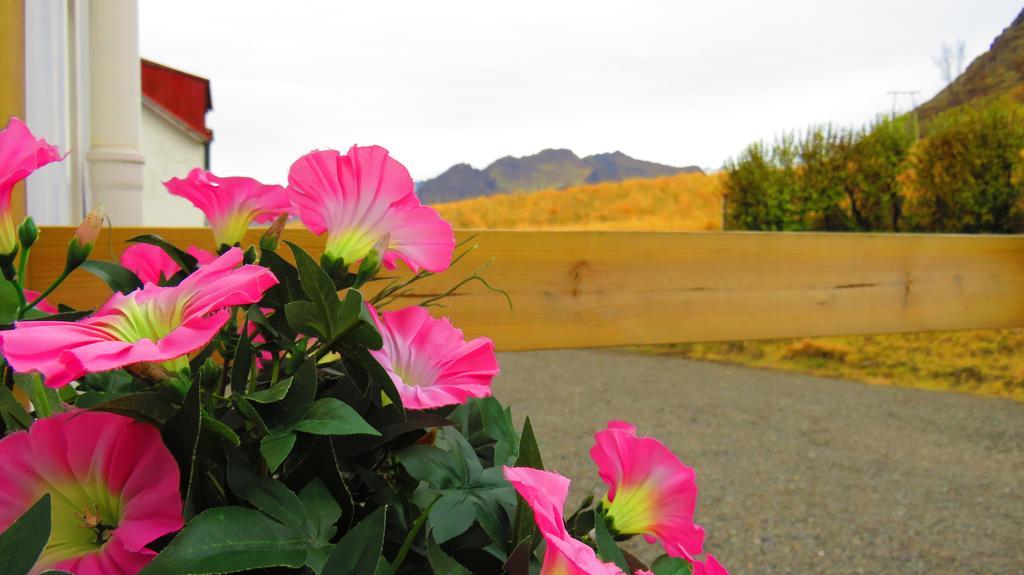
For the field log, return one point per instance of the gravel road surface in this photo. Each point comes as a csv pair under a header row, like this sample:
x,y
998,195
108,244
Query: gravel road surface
x,y
798,474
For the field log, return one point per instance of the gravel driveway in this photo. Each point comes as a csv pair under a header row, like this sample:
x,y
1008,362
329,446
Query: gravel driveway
x,y
799,474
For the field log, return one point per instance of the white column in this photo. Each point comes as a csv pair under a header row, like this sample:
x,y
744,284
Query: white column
x,y
48,192
115,95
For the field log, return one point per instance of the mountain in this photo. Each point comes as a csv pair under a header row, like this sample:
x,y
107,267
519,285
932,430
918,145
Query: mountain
x,y
996,72
552,168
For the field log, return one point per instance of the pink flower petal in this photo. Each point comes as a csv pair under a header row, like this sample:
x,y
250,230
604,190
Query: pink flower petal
x,y
429,360
151,264
363,198
43,306
545,492
121,332
230,204
650,491
94,463
21,153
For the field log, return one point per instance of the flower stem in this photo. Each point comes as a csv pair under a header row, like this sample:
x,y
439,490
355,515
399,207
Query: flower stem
x,y
23,263
413,531
56,283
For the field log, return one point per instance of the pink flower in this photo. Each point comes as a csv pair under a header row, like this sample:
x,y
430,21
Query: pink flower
x,y
152,264
650,492
43,306
230,204
545,492
153,324
365,199
430,361
20,155
113,487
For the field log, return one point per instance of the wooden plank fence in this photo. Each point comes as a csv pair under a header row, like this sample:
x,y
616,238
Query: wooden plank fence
x,y
576,289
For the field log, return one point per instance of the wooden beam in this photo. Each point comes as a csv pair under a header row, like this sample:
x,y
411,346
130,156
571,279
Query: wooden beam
x,y
591,289
12,78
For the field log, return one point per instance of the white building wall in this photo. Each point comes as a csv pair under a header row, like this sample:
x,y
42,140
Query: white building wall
x,y
170,153
49,194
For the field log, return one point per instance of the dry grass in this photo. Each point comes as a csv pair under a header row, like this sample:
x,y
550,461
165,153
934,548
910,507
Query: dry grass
x,y
684,202
986,362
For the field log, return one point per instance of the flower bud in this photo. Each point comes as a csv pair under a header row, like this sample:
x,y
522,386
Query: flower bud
x,y
28,233
85,238
372,262
272,237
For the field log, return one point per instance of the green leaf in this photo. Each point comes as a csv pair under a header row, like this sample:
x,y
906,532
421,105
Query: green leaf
x,y
217,427
45,400
149,406
9,302
186,261
322,510
181,435
452,515
359,551
268,495
441,563
463,453
250,414
330,416
289,289
498,424
607,549
307,319
119,278
275,448
9,405
324,314
23,542
242,362
529,451
434,465
301,393
275,392
523,525
383,568
231,539
315,282
362,358
666,565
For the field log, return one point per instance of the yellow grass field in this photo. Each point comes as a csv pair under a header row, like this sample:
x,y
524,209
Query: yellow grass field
x,y
986,362
684,202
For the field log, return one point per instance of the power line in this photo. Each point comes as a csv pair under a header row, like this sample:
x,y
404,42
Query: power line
x,y
897,93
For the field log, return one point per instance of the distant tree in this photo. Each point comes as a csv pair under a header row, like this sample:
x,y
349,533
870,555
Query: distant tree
x,y
833,179
968,173
950,63
873,173
821,177
760,188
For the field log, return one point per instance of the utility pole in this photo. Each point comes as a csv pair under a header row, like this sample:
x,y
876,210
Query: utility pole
x,y
897,93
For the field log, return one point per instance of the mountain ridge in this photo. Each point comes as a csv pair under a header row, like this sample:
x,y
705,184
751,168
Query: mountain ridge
x,y
549,168
998,71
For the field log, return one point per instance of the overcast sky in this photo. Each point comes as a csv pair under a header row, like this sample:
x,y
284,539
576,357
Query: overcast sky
x,y
441,82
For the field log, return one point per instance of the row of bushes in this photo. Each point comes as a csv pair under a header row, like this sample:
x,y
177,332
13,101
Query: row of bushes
x,y
963,173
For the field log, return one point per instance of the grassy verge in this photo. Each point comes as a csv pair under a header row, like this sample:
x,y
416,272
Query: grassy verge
x,y
984,362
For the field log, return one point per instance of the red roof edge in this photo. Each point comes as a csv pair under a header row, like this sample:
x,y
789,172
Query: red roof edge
x,y
183,98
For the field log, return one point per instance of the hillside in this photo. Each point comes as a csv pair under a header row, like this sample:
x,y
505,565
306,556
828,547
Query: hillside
x,y
682,202
552,168
998,71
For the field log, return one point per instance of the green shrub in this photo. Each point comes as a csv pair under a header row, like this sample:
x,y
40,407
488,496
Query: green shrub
x,y
968,171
